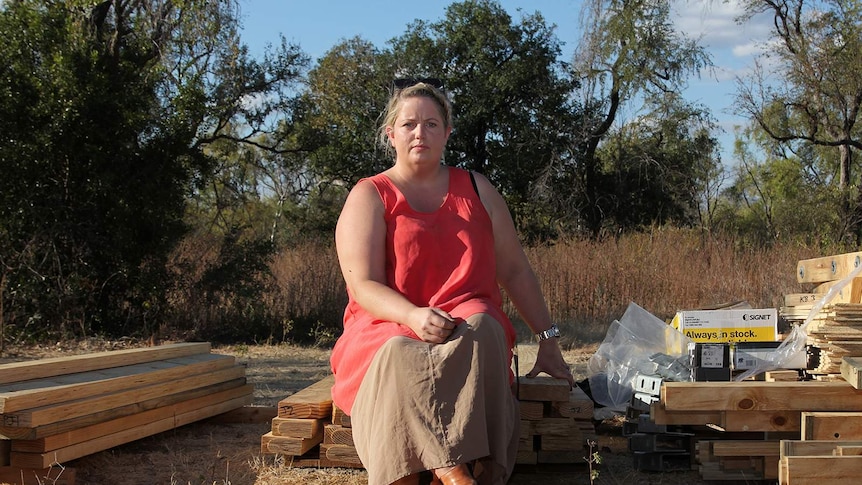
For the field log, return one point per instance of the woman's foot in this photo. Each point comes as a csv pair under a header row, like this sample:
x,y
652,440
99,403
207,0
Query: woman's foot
x,y
456,475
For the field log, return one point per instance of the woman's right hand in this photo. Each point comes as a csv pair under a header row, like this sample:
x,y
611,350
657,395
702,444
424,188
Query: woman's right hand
x,y
432,325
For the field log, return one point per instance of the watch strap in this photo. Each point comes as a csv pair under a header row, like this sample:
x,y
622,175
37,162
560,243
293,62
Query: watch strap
x,y
553,331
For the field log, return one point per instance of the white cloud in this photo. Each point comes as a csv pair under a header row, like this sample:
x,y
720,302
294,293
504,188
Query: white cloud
x,y
715,23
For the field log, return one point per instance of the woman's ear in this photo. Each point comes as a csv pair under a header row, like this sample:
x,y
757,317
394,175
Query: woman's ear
x,y
389,133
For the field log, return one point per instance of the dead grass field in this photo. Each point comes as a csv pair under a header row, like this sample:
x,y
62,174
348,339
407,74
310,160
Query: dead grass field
x,y
213,453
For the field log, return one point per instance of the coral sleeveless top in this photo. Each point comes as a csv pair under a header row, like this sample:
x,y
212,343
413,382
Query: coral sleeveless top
x,y
443,259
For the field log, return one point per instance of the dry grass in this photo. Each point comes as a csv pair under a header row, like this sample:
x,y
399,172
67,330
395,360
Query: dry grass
x,y
587,284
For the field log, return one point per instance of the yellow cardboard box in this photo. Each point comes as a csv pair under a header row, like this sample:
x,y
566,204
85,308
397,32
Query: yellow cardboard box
x,y
733,325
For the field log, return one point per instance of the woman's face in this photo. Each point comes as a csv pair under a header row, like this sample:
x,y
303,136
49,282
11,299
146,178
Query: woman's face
x,y
419,133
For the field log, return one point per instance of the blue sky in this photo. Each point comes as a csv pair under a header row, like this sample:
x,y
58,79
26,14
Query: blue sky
x,y
318,25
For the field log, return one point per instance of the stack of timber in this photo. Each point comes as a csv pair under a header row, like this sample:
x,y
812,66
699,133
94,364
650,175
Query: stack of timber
x,y
59,409
556,423
758,430
835,331
310,431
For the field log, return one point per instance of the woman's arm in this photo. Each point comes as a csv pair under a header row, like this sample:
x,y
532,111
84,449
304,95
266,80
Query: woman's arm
x,y
516,276
360,241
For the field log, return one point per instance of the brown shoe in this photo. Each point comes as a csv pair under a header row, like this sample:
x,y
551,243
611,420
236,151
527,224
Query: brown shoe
x,y
457,475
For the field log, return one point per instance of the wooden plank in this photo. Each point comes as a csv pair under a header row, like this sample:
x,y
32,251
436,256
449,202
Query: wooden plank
x,y
848,450
337,435
64,455
741,463
311,459
711,472
246,415
63,426
850,371
56,475
660,415
763,396
578,405
40,392
32,418
812,447
848,294
556,427
781,376
91,432
765,421
73,364
543,388
531,410
831,426
746,448
836,469
288,445
559,457
315,401
340,453
297,427
806,300
526,457
571,442
339,417
827,268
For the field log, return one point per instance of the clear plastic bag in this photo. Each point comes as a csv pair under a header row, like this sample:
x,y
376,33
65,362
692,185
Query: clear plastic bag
x,y
637,343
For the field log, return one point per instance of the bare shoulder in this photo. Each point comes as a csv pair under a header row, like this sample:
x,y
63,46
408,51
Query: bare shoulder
x,y
491,198
363,195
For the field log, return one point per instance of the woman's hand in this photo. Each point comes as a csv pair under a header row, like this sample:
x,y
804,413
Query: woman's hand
x,y
550,360
432,325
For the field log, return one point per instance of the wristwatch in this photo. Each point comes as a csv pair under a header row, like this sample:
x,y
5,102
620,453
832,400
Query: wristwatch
x,y
554,331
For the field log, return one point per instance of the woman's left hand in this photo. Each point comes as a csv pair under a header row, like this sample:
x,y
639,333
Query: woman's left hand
x,y
550,360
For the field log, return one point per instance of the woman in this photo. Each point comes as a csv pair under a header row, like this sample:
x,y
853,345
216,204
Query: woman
x,y
423,366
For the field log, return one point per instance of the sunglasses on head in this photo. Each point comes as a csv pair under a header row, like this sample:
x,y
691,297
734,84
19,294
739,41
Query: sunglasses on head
x,y
406,82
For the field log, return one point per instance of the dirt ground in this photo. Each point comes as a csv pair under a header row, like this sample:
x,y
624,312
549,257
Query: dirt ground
x,y
217,453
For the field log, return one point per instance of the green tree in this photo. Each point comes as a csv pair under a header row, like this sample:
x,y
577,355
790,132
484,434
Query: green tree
x,y
659,168
347,91
630,53
816,56
779,194
105,114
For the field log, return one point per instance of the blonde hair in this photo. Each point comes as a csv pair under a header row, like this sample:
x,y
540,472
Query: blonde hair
x,y
419,89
